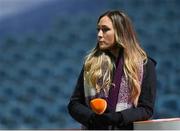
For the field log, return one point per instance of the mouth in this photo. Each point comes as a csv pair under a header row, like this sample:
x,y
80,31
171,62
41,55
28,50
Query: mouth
x,y
101,41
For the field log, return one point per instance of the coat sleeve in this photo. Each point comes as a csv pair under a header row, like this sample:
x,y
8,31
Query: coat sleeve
x,y
77,107
145,107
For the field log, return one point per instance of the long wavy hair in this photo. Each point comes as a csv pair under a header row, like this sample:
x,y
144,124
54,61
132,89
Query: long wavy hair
x,y
133,55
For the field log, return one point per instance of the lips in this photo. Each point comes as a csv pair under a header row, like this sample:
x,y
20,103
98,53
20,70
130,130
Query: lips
x,y
101,41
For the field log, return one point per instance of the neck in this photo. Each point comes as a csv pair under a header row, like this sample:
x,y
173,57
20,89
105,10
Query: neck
x,y
115,52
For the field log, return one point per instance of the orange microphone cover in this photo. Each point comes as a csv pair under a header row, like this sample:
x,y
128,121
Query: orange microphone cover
x,y
98,105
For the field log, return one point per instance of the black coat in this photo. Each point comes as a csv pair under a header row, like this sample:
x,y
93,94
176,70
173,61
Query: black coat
x,y
144,110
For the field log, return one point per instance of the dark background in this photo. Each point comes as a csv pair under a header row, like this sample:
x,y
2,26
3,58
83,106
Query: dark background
x,y
42,48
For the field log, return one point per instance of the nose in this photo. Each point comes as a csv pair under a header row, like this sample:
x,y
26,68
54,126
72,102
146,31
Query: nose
x,y
100,34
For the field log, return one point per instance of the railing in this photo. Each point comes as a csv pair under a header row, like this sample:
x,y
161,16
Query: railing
x,y
158,124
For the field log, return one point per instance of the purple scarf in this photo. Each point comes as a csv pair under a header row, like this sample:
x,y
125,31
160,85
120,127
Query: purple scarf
x,y
114,90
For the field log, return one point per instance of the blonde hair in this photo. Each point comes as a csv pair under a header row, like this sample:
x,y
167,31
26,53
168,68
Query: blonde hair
x,y
97,62
133,55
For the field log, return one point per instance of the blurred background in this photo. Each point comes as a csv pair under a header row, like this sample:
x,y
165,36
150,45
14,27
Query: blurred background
x,y
42,48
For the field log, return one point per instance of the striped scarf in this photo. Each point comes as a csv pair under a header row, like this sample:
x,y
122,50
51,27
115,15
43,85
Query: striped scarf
x,y
121,100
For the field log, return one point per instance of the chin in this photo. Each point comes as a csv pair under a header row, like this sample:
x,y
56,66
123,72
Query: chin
x,y
103,47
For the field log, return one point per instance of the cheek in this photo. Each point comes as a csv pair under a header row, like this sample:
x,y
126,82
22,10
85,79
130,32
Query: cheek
x,y
110,38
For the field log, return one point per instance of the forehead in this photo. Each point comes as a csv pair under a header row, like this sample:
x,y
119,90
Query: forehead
x,y
105,21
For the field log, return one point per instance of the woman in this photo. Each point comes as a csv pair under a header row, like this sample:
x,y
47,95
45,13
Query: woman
x,y
119,71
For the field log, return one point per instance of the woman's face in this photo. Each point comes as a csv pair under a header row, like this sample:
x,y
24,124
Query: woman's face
x,y
106,39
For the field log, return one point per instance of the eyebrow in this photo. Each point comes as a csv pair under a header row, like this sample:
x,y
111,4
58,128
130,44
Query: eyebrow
x,y
104,26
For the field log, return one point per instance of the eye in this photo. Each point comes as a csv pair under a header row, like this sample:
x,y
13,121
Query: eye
x,y
105,29
97,28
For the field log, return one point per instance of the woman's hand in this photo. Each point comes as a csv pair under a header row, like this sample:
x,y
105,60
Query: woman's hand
x,y
112,118
104,120
96,122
